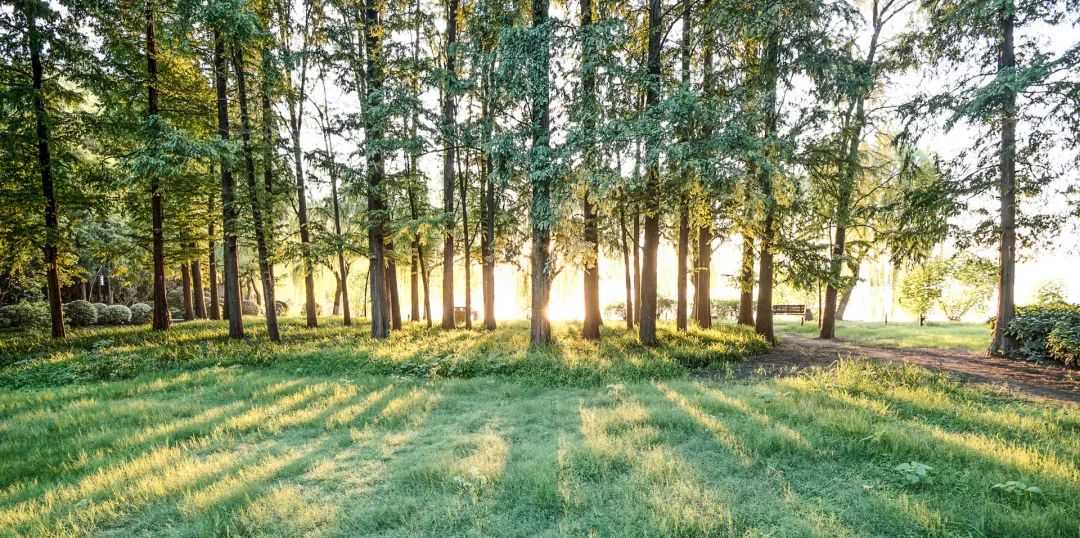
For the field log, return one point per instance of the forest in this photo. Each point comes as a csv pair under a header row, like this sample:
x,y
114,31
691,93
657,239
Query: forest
x,y
546,268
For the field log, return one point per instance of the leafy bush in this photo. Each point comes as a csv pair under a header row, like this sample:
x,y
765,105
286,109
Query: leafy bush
x,y
100,310
1063,344
250,308
80,313
116,314
25,314
141,313
1035,323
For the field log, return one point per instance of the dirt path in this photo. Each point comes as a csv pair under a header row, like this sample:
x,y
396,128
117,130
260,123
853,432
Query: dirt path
x,y
796,353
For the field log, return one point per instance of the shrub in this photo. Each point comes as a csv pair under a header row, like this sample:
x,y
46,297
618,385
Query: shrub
x,y
116,314
80,313
26,314
141,313
1063,344
1035,323
249,308
100,310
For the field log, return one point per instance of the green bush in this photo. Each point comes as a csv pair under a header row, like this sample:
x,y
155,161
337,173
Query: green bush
x,y
1035,323
25,314
116,314
80,313
141,313
1063,344
100,310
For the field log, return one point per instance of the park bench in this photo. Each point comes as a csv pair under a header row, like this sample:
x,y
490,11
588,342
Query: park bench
x,y
793,309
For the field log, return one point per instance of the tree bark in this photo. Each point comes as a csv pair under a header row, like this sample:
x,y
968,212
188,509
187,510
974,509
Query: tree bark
x,y
770,70
157,211
540,178
266,271
229,213
52,226
647,324
1002,343
373,33
449,140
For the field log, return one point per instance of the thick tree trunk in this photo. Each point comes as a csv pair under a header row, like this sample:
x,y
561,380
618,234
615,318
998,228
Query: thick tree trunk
x,y
764,323
647,324
703,277
1002,343
157,211
590,328
229,213
449,140
185,291
197,291
52,226
373,33
540,180
266,270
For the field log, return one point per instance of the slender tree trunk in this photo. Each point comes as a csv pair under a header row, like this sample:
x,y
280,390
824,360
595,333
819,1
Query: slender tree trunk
x,y
540,179
450,139
185,291
52,226
157,211
373,127
197,285
266,273
231,271
1002,343
628,312
647,325
764,322
215,309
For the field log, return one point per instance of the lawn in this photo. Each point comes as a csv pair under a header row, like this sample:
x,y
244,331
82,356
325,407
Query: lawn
x,y
333,435
973,337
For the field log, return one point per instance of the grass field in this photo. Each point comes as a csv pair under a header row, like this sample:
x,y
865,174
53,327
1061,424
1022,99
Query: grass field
x,y
974,337
300,441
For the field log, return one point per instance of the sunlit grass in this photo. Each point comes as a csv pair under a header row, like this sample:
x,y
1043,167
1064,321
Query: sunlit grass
x,y
466,434
105,353
973,337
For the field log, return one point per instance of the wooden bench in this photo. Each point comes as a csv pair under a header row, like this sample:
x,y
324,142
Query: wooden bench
x,y
793,309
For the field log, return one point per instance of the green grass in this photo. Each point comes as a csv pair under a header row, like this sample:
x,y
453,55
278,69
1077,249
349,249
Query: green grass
x,y
34,360
282,446
973,337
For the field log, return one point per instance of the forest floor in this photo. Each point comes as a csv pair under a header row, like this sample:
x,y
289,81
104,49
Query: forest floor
x,y
123,432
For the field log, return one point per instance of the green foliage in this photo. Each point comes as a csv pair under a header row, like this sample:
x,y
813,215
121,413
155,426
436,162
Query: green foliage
x,y
1035,324
25,314
914,473
141,313
922,287
80,313
116,314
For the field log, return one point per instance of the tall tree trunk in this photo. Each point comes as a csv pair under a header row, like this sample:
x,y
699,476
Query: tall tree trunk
x,y
52,226
770,70
157,211
449,140
197,291
266,272
215,309
540,179
628,312
373,127
229,212
185,291
1002,343
590,328
647,325
466,244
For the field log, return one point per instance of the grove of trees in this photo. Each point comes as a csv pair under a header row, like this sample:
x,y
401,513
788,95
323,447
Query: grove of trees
x,y
215,142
